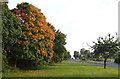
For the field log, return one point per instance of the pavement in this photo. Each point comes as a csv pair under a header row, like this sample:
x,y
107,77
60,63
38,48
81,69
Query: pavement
x,y
109,64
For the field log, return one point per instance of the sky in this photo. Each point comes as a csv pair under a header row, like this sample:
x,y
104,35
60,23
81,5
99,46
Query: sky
x,y
83,21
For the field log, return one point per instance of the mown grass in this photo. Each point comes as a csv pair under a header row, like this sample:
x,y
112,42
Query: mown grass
x,y
67,70
110,59
95,62
102,59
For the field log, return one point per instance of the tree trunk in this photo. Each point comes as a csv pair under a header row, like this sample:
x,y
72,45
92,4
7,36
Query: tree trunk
x,y
15,63
105,63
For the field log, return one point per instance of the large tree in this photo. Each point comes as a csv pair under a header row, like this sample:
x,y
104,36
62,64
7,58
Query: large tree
x,y
11,35
105,47
59,49
38,34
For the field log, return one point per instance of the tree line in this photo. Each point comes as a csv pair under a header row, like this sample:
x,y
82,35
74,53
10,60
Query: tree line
x,y
28,40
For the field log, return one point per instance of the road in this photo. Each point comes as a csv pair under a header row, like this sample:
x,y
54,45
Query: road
x,y
109,64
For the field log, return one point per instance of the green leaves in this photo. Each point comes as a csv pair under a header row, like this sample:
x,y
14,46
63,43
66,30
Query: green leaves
x,y
76,54
60,51
27,37
11,34
105,47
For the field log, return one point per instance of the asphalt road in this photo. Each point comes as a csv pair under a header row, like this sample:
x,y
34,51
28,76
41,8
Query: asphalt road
x,y
109,64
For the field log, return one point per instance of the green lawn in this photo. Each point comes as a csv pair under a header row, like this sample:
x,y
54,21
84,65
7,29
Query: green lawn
x,y
102,59
95,62
110,59
67,70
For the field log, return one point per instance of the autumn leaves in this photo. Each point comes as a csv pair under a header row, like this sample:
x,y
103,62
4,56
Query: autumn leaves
x,y
37,33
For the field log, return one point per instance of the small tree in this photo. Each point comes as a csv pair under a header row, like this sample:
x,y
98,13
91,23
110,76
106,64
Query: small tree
x,y
105,47
76,54
85,53
69,55
82,51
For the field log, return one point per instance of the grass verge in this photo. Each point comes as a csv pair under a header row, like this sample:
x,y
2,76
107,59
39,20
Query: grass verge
x,y
67,70
95,62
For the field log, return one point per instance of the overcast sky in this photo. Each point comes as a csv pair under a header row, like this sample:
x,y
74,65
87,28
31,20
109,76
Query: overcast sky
x,y
83,21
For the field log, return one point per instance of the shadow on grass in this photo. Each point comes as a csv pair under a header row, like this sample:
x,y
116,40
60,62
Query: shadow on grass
x,y
41,68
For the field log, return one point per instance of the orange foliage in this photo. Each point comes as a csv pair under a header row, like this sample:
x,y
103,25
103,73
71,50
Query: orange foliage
x,y
35,27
